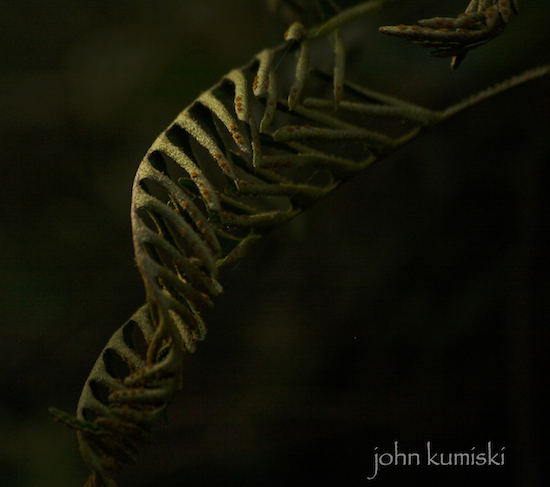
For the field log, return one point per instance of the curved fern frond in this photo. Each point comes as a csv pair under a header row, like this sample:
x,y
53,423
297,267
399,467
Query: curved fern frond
x,y
482,21
249,154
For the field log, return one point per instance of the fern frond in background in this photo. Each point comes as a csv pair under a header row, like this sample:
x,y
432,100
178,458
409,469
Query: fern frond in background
x,y
248,155
482,21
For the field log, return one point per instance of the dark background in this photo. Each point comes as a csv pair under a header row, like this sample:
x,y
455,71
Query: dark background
x,y
410,305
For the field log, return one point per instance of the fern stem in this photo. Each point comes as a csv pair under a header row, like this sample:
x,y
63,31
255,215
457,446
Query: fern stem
x,y
528,75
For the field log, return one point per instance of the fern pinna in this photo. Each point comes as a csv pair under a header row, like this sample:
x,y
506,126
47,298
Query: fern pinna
x,y
237,162
482,21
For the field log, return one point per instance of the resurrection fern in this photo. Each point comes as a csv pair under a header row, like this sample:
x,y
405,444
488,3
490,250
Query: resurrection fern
x,y
482,21
249,154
